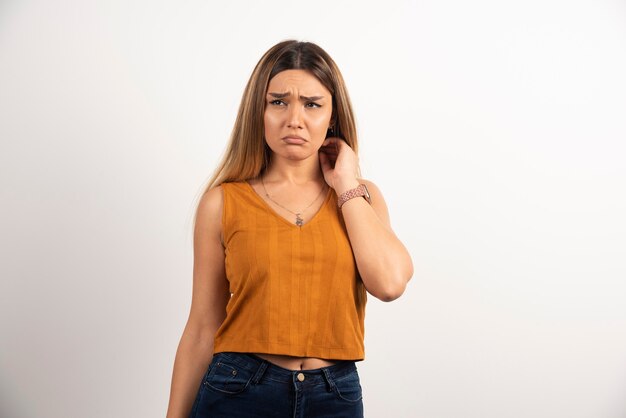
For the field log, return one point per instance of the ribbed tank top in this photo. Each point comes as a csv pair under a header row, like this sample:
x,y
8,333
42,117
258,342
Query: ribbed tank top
x,y
295,290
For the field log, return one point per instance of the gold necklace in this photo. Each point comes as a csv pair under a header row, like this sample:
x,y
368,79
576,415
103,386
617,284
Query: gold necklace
x,y
299,220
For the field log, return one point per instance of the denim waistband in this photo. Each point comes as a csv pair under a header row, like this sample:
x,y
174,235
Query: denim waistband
x,y
268,370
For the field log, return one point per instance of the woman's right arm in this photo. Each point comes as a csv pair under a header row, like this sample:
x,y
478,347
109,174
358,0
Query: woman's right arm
x,y
208,306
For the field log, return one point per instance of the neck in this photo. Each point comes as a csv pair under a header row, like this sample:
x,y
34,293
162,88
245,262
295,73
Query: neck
x,y
294,172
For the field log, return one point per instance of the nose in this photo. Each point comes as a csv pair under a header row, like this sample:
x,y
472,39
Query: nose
x,y
294,117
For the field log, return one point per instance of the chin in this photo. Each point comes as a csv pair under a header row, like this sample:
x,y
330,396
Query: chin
x,y
295,154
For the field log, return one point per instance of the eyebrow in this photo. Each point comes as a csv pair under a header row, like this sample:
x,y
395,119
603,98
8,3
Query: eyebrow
x,y
282,95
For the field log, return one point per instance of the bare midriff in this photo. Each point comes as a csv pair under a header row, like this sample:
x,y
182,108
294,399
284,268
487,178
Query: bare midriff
x,y
296,363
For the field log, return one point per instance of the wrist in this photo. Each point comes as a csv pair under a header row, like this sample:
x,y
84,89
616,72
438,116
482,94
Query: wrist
x,y
350,194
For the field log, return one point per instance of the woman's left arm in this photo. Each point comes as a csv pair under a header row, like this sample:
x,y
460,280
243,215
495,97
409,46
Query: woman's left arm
x,y
384,263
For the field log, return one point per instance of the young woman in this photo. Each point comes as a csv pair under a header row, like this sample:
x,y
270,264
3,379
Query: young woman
x,y
288,241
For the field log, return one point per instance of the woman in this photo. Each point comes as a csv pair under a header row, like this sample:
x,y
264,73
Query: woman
x,y
287,241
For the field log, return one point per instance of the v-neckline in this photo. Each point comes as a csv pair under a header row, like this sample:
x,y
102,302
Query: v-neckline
x,y
277,215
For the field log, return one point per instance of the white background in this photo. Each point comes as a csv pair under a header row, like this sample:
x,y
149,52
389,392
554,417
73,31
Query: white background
x,y
494,129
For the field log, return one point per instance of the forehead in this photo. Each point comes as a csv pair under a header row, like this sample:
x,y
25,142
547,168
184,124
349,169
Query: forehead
x,y
302,80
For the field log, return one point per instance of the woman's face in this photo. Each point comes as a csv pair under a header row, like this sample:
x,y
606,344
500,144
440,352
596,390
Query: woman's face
x,y
297,105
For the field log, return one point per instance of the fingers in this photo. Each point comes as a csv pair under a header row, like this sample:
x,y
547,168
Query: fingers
x,y
332,146
330,150
329,155
335,141
325,162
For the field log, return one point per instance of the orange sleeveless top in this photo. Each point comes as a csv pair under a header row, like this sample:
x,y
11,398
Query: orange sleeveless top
x,y
295,290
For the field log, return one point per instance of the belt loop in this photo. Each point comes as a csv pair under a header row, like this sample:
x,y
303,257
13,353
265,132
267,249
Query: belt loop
x,y
259,372
329,379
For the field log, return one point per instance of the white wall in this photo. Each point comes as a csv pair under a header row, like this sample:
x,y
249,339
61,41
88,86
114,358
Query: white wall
x,y
495,130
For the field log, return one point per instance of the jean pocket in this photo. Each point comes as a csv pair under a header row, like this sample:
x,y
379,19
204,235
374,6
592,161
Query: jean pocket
x,y
227,377
348,387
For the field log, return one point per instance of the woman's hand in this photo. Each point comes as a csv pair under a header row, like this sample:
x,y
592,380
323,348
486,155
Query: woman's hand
x,y
339,164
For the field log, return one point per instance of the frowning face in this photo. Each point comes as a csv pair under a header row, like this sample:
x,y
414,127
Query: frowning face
x,y
297,114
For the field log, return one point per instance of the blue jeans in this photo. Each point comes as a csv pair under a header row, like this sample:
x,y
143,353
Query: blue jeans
x,y
243,385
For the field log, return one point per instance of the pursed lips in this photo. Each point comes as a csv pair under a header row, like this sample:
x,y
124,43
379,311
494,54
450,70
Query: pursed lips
x,y
294,140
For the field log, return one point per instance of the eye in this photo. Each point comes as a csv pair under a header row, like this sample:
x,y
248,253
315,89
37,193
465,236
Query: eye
x,y
278,102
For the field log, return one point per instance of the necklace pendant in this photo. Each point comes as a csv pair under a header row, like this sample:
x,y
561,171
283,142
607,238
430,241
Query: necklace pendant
x,y
299,220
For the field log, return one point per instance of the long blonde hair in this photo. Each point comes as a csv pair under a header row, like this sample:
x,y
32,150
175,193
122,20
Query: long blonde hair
x,y
247,154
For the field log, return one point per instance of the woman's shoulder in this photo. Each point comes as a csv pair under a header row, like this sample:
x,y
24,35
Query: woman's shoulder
x,y
235,188
211,202
235,193
215,195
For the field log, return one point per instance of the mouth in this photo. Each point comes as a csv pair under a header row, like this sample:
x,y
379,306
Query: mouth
x,y
294,139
